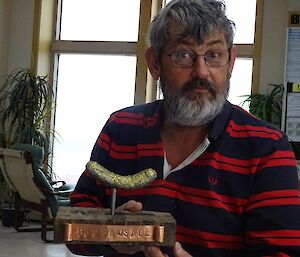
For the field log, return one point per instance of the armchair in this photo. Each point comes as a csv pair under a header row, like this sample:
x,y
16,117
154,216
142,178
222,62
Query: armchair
x,y
32,190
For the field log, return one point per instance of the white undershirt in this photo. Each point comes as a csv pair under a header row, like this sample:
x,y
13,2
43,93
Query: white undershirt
x,y
196,153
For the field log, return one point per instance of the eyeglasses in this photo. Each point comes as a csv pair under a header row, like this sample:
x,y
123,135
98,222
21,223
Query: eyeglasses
x,y
187,59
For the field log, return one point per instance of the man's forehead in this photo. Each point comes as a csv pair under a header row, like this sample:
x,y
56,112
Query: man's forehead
x,y
211,39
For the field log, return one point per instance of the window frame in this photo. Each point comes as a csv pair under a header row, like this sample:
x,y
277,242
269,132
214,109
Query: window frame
x,y
147,9
46,45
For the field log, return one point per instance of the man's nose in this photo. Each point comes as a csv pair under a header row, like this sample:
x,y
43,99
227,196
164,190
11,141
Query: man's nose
x,y
200,68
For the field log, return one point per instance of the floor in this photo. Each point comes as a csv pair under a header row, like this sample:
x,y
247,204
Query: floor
x,y
29,244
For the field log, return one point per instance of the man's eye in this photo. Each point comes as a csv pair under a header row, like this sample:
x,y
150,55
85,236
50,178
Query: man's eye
x,y
214,55
183,55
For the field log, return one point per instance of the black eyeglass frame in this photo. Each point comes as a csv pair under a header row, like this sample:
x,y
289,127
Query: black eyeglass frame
x,y
171,55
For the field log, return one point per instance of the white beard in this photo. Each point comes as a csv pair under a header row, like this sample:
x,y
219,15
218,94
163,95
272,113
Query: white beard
x,y
194,111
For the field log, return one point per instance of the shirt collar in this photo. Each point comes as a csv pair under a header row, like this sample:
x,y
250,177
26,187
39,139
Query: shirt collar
x,y
218,125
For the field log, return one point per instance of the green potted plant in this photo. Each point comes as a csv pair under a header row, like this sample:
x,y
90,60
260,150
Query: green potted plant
x,y
267,106
8,210
27,102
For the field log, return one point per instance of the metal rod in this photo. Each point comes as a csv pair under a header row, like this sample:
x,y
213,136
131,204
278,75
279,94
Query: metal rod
x,y
113,201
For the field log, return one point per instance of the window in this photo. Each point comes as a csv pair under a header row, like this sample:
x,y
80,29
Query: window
x,y
241,80
99,63
96,70
87,20
90,87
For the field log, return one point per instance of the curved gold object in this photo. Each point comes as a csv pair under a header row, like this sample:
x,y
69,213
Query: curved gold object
x,y
114,180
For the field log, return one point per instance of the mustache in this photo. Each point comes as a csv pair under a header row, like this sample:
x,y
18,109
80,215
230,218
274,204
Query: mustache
x,y
197,82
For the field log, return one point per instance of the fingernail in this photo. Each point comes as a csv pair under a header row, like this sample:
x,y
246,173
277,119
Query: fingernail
x,y
178,245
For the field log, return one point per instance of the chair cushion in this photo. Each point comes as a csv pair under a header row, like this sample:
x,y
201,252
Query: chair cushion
x,y
40,179
37,155
36,152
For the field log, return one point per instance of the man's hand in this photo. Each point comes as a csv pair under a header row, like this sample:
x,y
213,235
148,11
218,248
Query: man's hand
x,y
135,206
132,206
156,252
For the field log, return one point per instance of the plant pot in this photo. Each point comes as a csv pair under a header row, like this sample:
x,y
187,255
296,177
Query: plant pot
x,y
8,216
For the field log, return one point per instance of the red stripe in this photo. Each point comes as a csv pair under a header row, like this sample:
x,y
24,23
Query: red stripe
x,y
151,149
280,155
199,192
225,166
207,244
135,155
222,162
132,115
129,121
209,194
246,163
134,119
123,148
105,137
139,147
208,235
104,141
275,241
277,255
246,134
129,152
159,153
151,146
181,196
274,202
278,163
278,158
275,233
274,194
250,128
242,131
104,145
245,166
129,156
82,200
83,204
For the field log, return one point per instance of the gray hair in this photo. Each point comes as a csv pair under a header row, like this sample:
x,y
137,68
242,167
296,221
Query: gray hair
x,y
195,19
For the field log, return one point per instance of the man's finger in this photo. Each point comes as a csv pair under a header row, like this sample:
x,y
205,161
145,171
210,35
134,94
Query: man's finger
x,y
179,251
131,206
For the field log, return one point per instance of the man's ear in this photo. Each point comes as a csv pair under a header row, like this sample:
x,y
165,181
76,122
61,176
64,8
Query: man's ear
x,y
153,63
232,58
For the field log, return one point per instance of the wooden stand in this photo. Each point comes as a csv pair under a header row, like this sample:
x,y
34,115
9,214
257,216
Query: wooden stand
x,y
92,225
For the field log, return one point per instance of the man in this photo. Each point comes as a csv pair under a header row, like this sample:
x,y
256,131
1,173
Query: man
x,y
229,179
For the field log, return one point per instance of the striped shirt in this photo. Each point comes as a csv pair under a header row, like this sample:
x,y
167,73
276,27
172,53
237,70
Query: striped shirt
x,y
238,198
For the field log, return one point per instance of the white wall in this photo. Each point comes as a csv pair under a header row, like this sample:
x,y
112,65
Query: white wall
x,y
4,35
294,5
20,39
16,28
275,19
275,22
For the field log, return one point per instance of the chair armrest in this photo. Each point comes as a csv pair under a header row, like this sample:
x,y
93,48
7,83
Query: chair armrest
x,y
54,183
64,194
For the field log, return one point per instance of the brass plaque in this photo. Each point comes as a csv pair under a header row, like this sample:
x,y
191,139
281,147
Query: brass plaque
x,y
97,226
113,233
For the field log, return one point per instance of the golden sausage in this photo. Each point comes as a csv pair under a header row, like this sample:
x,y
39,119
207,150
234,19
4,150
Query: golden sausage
x,y
112,179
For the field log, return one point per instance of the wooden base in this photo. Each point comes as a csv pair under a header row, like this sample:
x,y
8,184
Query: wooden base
x,y
91,225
